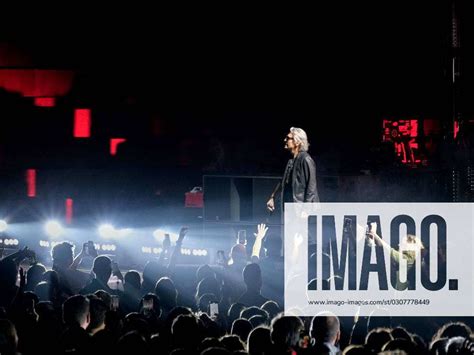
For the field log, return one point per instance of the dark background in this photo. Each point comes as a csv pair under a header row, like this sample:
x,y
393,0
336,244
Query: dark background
x,y
215,91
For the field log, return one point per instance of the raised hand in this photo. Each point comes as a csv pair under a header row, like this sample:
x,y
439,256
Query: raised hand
x,y
298,240
261,231
182,234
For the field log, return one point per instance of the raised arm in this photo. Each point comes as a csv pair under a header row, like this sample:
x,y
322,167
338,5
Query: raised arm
x,y
77,260
257,246
177,248
20,255
395,255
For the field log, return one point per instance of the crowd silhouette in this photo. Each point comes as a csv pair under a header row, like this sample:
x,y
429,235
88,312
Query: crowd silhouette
x,y
64,310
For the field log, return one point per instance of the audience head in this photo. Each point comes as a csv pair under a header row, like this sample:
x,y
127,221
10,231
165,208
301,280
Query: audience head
x,y
238,254
167,293
242,328
253,277
62,254
377,338
34,275
234,311
185,332
102,268
97,310
76,311
272,308
203,272
285,332
232,343
132,278
150,303
105,297
454,329
259,341
325,328
248,313
207,285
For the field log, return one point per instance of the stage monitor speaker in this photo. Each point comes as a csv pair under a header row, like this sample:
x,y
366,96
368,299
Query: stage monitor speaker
x,y
216,198
238,199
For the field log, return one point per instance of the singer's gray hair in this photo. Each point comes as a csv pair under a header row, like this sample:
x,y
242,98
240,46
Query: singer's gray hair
x,y
300,136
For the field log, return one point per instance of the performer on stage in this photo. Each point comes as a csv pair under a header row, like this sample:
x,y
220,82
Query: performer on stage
x,y
299,179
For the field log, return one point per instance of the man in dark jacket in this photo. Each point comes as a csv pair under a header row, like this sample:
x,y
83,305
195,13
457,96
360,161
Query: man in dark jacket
x,y
299,179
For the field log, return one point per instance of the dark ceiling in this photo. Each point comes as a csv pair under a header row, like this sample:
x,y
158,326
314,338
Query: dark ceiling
x,y
247,75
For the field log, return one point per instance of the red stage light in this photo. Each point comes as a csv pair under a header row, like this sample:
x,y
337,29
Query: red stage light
x,y
82,123
456,129
45,101
114,142
69,204
31,182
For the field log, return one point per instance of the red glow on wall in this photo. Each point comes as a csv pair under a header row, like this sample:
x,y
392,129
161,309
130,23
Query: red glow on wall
x,y
36,82
45,101
82,123
431,127
69,204
31,182
114,142
456,129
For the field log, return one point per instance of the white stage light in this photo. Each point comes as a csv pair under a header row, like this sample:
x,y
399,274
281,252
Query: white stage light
x,y
158,234
107,231
53,229
3,225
